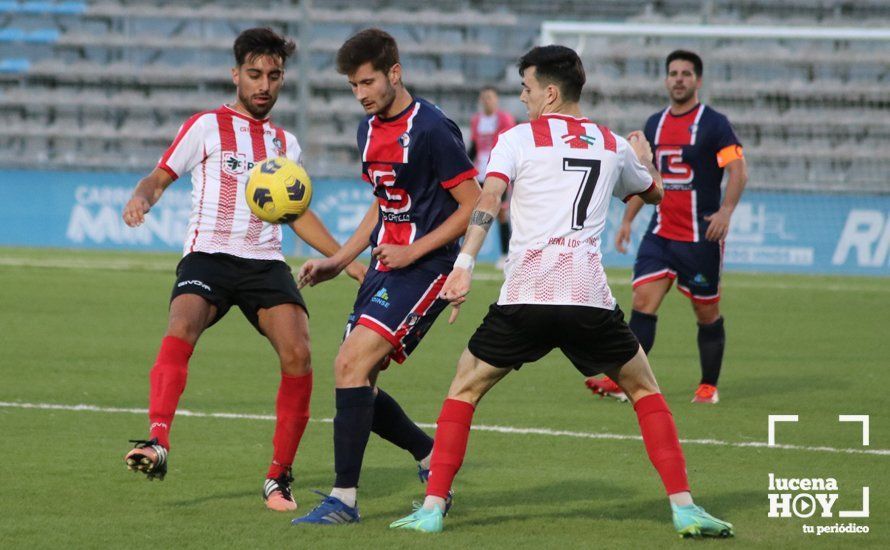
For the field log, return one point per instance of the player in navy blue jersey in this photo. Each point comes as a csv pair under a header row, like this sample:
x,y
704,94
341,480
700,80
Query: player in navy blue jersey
x,y
693,145
424,185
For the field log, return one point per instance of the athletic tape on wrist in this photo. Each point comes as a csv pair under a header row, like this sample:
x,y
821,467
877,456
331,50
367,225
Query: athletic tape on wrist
x,y
465,261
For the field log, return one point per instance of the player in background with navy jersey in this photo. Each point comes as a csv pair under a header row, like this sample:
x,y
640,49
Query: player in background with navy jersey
x,y
564,169
693,144
424,189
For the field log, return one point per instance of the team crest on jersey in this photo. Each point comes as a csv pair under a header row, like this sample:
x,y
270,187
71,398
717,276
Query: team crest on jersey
x,y
404,140
279,147
235,163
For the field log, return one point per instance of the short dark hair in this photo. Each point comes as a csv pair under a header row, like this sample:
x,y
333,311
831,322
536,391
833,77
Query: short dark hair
x,y
488,88
558,65
373,46
692,57
262,41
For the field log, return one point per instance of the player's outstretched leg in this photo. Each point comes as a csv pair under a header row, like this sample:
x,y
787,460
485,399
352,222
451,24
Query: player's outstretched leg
x,y
473,379
663,447
167,382
354,368
287,328
393,424
291,417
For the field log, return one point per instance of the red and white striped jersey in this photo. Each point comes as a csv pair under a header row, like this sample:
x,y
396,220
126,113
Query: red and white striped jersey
x,y
563,170
219,148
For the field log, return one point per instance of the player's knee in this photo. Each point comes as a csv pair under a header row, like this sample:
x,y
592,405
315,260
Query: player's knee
x,y
348,370
295,359
645,303
706,314
185,329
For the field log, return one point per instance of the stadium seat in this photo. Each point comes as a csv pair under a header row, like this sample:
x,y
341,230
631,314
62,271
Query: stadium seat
x,y
14,65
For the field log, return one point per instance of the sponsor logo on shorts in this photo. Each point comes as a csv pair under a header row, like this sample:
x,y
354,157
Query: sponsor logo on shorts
x,y
381,298
700,279
201,284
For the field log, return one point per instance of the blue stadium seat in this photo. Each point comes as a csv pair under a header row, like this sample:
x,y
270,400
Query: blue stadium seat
x,y
39,36
12,35
42,36
9,7
62,8
14,65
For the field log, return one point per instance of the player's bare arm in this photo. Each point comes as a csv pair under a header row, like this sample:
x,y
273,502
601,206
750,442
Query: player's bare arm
x,y
318,271
457,285
313,232
396,256
718,222
147,192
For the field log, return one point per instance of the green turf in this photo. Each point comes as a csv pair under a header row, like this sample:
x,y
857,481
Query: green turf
x,y
83,328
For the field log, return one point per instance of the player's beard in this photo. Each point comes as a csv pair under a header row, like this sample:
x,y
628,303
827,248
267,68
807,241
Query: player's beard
x,y
682,96
255,111
386,100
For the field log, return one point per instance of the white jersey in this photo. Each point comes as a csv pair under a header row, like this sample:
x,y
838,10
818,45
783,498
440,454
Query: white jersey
x,y
219,148
563,170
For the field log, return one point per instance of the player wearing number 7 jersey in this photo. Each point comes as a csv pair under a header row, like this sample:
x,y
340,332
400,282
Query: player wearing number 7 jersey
x,y
564,168
425,187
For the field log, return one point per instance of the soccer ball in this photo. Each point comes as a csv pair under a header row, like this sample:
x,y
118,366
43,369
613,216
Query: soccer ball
x,y
278,190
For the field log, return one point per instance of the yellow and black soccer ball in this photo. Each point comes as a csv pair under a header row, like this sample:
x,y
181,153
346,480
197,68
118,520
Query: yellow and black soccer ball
x,y
278,190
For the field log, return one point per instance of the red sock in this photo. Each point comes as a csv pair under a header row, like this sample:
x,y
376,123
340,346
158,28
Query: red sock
x,y
292,415
662,443
167,380
450,445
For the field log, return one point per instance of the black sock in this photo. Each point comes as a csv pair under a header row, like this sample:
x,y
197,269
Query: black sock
x,y
643,327
352,428
505,237
711,341
392,424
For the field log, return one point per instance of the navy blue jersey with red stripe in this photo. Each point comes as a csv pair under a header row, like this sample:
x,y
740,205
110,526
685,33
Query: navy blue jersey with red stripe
x,y
412,160
690,151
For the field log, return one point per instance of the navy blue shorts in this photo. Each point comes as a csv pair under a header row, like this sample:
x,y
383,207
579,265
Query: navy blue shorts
x,y
400,305
695,266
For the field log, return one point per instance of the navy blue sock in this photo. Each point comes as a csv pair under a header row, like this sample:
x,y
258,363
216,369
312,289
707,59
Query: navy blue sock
x,y
352,428
643,327
505,237
392,424
711,342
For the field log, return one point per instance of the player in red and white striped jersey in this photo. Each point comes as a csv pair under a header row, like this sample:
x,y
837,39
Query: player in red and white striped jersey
x,y
563,168
485,127
231,257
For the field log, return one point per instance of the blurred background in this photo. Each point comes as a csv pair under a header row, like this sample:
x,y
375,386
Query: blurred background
x,y
92,92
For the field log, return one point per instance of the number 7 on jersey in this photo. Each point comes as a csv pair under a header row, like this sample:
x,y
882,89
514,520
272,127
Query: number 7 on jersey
x,y
591,170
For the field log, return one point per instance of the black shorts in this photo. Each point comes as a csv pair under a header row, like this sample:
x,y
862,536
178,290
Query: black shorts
x,y
225,280
595,340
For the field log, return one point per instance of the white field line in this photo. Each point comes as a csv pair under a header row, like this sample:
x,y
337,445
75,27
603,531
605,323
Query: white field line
x,y
107,264
479,428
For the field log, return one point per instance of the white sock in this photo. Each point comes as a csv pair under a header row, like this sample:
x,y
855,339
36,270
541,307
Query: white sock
x,y
431,502
425,462
681,499
347,496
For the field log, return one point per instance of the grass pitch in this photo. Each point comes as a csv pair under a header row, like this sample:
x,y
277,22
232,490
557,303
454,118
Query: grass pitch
x,y
84,327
